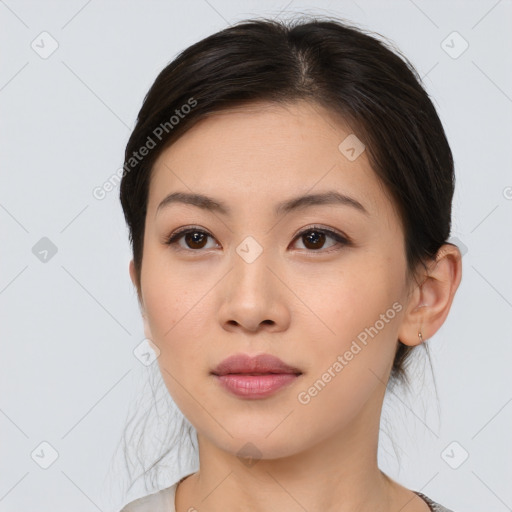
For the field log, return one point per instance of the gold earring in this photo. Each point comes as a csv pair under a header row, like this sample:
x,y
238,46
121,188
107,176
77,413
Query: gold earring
x,y
420,336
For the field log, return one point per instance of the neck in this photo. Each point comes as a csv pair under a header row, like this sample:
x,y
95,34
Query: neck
x,y
339,473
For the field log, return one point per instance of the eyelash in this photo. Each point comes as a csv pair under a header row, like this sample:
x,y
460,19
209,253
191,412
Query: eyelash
x,y
338,237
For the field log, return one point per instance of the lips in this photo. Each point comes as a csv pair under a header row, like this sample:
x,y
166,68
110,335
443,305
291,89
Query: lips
x,y
262,364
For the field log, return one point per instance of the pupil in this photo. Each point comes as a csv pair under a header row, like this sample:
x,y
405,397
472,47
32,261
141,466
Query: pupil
x,y
195,236
314,237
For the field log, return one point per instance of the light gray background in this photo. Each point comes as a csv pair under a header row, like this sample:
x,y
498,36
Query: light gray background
x,y
68,375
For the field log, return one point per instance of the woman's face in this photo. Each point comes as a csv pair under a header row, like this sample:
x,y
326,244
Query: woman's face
x,y
258,280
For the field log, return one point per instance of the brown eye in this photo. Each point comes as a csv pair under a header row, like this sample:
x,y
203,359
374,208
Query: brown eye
x,y
314,238
194,239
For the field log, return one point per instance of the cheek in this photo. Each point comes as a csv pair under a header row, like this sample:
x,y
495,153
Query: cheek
x,y
169,294
352,294
349,353
354,311
176,307
173,321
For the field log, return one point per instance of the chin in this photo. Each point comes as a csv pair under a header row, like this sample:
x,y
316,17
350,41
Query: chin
x,y
251,446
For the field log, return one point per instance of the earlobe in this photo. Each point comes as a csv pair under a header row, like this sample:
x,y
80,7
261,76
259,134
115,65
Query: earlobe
x,y
147,329
133,277
131,269
431,300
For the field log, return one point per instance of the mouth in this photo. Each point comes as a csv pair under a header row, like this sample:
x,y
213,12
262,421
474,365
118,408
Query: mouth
x,y
262,364
254,377
222,374
255,385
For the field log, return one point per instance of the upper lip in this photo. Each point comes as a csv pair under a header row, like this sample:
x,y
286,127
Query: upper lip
x,y
263,363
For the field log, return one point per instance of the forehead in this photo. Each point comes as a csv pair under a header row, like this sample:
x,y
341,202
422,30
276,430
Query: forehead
x,y
264,153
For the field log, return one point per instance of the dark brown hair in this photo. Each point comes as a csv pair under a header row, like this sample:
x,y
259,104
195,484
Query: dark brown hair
x,y
362,80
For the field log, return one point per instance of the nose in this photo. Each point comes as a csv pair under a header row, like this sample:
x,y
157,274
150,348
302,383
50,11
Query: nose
x,y
254,296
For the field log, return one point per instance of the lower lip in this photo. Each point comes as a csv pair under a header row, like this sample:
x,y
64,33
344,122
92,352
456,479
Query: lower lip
x,y
255,386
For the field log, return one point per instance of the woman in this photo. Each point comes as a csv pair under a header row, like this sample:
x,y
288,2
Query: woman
x,y
288,192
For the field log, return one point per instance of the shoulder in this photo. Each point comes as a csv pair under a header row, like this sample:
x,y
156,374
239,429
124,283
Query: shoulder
x,y
160,501
434,507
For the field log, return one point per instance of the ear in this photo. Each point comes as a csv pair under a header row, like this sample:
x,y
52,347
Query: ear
x,y
431,300
133,273
133,277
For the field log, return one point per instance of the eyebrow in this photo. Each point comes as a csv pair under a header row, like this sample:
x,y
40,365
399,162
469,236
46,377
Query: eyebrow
x,y
330,197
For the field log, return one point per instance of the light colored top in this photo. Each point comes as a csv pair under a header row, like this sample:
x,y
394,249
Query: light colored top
x,y
164,501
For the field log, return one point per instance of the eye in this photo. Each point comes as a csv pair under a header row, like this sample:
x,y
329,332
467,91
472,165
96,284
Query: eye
x,y
313,238
193,237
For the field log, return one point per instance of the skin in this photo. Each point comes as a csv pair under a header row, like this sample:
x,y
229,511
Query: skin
x,y
303,304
